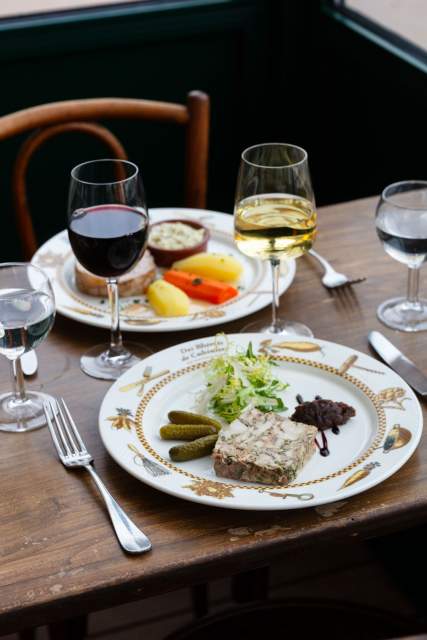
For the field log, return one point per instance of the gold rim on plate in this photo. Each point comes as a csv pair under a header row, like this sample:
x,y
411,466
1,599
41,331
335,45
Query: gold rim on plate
x,y
381,425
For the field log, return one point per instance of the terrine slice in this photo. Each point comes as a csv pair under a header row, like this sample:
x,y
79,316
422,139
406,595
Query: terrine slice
x,y
263,447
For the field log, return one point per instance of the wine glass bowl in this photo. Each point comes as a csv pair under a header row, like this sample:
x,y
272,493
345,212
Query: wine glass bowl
x,y
108,226
401,224
274,215
108,240
27,313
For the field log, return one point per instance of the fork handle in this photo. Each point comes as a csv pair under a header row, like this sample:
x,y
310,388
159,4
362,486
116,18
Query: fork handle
x,y
325,264
132,539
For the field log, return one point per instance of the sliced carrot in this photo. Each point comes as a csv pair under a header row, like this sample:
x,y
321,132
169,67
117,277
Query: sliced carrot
x,y
195,286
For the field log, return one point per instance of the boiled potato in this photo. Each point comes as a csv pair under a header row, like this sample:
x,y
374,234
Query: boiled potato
x,y
218,266
167,300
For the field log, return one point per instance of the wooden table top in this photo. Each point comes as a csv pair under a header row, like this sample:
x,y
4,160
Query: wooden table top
x,y
59,554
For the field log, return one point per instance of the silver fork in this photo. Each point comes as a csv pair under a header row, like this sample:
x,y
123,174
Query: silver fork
x,y
73,453
333,279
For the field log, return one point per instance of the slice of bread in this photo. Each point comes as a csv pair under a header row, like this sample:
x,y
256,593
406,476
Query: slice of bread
x,y
132,283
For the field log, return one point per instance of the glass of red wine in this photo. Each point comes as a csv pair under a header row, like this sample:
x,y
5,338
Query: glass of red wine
x,y
108,229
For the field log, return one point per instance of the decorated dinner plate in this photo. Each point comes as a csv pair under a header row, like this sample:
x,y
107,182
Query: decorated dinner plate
x,y
57,259
369,448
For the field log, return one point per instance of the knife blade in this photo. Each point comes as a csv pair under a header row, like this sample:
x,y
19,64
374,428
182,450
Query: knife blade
x,y
399,362
29,363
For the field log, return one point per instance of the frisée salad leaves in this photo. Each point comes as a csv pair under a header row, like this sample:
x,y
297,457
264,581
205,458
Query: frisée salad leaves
x,y
238,380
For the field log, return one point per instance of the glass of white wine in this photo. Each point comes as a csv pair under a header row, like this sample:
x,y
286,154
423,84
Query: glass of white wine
x,y
275,216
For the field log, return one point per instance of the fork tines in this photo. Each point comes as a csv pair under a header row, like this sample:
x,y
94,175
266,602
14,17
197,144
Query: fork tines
x,y
63,429
345,285
356,280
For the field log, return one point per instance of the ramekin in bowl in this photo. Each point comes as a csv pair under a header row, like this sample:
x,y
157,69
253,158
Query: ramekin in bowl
x,y
166,257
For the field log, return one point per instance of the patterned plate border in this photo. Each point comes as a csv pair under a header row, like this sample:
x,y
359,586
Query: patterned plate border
x,y
291,359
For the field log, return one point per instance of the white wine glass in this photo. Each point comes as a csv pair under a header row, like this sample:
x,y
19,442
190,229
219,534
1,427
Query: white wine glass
x,y
27,313
275,216
401,222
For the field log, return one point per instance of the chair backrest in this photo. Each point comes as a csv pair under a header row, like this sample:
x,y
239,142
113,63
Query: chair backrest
x,y
422,637
305,617
55,118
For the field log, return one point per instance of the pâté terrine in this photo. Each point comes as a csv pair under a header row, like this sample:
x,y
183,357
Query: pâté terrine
x,y
263,447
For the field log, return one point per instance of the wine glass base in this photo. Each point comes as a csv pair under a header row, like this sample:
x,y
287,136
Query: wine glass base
x,y
398,313
96,364
281,328
19,416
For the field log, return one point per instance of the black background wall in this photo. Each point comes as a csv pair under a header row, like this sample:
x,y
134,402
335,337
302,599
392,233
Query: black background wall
x,y
275,70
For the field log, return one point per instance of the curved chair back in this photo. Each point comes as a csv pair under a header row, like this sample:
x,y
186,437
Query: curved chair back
x,y
49,120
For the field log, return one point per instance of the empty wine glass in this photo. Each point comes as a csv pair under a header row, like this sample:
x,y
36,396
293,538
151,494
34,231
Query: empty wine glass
x,y
401,222
27,313
275,216
108,231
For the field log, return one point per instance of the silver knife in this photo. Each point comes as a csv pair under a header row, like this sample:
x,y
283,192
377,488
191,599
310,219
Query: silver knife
x,y
397,361
29,363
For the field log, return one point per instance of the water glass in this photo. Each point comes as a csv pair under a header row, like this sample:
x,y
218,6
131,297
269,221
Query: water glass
x,y
27,313
401,223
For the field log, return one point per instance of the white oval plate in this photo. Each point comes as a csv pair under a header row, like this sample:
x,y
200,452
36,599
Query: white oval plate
x,y
57,259
370,447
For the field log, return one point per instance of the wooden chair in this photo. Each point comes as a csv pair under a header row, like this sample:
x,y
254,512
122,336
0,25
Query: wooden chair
x,y
303,618
49,120
422,637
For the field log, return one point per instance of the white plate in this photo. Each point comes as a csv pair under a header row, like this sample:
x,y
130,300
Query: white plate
x,y
57,259
370,447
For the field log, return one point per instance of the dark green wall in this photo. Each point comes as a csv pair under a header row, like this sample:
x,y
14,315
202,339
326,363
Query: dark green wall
x,y
219,47
358,108
276,70
368,115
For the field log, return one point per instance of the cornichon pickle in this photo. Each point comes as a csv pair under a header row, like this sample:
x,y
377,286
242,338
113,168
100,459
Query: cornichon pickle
x,y
186,431
191,450
185,417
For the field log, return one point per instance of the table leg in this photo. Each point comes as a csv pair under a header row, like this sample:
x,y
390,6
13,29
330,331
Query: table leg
x,y
28,634
74,629
200,600
250,585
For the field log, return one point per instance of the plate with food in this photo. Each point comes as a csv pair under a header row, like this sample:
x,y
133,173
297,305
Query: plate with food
x,y
243,421
191,275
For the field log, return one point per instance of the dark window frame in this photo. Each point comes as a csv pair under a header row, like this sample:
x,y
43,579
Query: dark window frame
x,y
386,38
86,30
107,10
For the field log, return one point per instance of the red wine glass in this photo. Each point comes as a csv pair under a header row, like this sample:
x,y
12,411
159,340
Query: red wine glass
x,y
108,229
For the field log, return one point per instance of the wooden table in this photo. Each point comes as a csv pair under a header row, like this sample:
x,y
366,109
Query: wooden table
x,y
59,556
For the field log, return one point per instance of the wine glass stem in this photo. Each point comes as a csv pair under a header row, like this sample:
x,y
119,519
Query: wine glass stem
x,y
413,286
116,343
17,376
275,271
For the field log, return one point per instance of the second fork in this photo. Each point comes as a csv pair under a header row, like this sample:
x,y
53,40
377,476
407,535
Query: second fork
x,y
332,279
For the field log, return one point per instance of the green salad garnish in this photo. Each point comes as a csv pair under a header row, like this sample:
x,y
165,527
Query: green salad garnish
x,y
237,380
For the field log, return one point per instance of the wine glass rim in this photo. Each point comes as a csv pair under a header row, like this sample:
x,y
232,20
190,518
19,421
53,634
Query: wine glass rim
x,y
100,184
275,144
4,265
390,198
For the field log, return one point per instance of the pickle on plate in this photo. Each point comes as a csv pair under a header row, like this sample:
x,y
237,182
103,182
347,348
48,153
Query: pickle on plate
x,y
195,449
185,417
186,431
